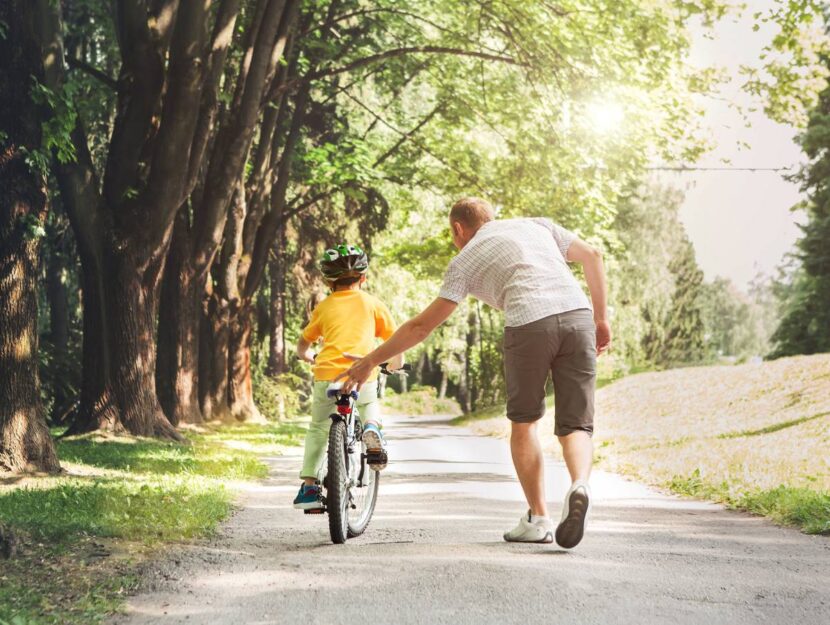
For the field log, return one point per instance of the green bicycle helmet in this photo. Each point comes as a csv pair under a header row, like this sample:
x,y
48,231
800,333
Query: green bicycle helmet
x,y
344,261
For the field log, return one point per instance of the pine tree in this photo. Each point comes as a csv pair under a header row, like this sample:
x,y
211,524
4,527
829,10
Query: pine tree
x,y
685,339
805,326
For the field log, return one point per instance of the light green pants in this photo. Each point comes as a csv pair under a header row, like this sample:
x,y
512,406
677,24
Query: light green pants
x,y
316,439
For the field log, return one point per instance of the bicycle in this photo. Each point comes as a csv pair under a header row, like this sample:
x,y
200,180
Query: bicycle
x,y
351,487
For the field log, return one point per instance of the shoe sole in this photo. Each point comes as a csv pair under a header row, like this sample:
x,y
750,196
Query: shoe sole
x,y
314,505
373,444
570,531
546,540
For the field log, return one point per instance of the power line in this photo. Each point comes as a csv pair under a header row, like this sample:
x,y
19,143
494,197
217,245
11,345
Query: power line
x,y
683,168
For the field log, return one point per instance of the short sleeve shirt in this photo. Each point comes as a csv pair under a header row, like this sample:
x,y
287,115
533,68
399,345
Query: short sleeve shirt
x,y
518,266
348,322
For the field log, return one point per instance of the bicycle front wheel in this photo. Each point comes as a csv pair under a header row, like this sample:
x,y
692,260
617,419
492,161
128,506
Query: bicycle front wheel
x,y
337,486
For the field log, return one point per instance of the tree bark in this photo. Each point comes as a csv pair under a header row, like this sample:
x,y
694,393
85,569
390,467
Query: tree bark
x,y
177,366
25,441
276,325
240,387
213,359
58,300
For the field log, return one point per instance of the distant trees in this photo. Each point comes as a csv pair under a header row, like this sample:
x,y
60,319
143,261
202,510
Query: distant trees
x,y
805,326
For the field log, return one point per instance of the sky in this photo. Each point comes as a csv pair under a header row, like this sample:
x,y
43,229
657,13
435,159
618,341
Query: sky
x,y
740,222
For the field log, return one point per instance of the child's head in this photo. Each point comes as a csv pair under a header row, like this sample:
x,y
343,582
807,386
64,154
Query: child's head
x,y
344,267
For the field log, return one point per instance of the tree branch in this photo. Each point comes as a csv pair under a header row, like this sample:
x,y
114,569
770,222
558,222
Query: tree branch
x,y
387,54
96,73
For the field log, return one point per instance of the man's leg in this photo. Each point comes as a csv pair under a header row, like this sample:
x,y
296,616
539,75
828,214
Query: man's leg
x,y
574,376
578,451
530,465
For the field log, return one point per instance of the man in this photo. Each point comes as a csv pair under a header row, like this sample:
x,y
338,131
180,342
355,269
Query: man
x,y
520,266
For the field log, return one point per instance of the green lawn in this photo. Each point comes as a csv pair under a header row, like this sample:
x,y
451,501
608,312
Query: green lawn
x,y
81,535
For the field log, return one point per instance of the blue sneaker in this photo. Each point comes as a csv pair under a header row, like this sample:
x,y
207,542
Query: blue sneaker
x,y
308,498
375,447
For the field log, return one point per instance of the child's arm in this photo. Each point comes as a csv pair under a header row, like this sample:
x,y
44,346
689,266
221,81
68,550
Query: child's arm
x,y
304,350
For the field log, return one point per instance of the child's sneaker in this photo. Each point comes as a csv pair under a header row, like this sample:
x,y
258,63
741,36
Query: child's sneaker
x,y
308,498
375,447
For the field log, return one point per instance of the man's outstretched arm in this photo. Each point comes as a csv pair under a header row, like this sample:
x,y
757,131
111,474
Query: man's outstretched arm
x,y
407,336
591,260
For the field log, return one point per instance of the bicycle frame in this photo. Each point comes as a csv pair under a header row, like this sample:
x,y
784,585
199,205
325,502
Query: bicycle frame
x,y
346,406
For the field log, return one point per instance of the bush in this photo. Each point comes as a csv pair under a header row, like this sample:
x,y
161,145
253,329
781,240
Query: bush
x,y
281,397
419,400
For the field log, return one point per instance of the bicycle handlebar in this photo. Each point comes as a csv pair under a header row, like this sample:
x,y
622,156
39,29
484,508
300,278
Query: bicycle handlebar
x,y
402,371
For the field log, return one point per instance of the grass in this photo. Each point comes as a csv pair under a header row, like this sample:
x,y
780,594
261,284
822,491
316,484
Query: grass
x,y
754,436
798,507
81,535
419,400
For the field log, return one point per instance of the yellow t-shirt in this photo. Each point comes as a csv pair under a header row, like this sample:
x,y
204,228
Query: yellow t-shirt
x,y
347,321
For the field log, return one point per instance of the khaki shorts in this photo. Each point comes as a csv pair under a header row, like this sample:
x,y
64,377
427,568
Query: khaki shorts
x,y
565,346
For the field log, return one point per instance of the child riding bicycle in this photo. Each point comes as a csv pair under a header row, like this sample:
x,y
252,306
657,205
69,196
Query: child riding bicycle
x,y
348,321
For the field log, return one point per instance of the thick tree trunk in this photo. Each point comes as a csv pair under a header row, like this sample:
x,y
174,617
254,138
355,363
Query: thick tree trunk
x,y
240,387
25,442
276,343
132,307
177,367
213,359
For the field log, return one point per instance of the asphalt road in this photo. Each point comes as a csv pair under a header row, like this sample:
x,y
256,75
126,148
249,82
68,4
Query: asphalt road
x,y
434,554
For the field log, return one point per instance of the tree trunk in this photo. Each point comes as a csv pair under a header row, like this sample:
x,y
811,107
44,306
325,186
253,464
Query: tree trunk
x,y
132,306
213,359
25,442
276,343
240,387
56,295
442,388
177,367
469,373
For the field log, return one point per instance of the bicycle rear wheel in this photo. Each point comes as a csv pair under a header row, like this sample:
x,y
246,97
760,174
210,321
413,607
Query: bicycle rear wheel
x,y
337,491
363,494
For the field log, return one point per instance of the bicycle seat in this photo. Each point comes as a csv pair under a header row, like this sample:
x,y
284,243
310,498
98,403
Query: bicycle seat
x,y
334,389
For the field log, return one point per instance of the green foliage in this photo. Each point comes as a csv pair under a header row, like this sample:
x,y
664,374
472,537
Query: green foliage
x,y
791,71
786,505
419,400
805,325
280,397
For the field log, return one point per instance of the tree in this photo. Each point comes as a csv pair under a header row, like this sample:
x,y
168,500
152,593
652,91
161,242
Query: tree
x,y
805,326
25,441
172,63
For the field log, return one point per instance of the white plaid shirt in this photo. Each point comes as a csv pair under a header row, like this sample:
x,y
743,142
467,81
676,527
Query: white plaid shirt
x,y
518,266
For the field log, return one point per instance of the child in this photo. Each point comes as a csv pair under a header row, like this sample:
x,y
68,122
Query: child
x,y
348,320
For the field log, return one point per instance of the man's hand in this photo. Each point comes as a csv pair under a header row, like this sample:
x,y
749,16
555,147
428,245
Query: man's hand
x,y
307,356
603,336
357,375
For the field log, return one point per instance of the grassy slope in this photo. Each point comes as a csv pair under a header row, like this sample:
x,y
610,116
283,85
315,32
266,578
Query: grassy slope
x,y
755,436
81,535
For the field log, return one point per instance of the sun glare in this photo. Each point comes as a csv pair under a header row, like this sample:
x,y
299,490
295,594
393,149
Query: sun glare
x,y
605,117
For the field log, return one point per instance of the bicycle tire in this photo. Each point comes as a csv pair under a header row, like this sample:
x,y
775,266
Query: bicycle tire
x,y
356,529
337,495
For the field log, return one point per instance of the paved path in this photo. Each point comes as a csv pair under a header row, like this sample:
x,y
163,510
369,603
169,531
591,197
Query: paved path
x,y
433,554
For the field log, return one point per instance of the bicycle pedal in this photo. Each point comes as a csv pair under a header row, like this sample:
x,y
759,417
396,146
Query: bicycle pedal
x,y
376,456
315,511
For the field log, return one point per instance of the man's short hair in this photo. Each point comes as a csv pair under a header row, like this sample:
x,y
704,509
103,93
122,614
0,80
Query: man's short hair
x,y
472,212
